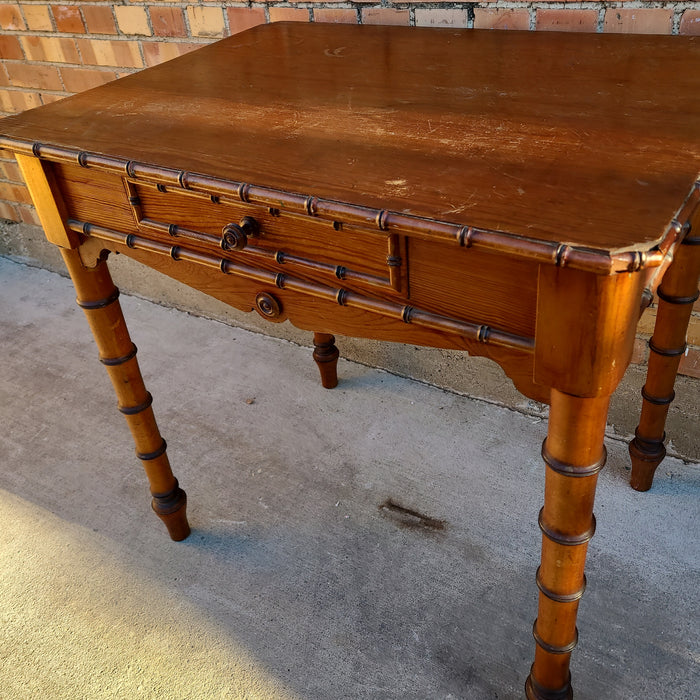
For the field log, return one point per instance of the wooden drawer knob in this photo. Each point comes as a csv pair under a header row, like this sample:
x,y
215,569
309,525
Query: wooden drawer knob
x,y
235,236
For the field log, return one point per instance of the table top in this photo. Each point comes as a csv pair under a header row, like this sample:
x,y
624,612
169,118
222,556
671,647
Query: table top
x,y
585,139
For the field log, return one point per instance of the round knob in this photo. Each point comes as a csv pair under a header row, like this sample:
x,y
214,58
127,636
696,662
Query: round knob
x,y
267,306
235,236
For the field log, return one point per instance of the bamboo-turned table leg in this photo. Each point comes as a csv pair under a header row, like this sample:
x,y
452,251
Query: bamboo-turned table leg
x,y
574,454
677,293
326,356
98,297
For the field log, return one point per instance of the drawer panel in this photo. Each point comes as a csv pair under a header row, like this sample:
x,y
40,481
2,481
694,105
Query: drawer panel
x,y
307,237
305,246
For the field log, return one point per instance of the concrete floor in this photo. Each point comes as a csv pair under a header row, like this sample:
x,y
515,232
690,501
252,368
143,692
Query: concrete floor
x,y
296,583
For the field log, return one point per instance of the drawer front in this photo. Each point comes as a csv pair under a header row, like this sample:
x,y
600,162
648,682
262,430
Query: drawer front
x,y
262,237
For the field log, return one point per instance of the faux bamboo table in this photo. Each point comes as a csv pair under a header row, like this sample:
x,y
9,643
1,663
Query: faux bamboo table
x,y
519,196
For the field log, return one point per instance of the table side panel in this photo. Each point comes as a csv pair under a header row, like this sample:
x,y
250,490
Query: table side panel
x,y
464,299
321,315
472,284
462,283
93,196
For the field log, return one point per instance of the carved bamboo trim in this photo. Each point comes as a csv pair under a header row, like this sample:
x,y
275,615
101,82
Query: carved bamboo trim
x,y
134,410
99,303
559,597
650,446
114,361
471,331
657,400
277,256
381,220
570,469
165,504
394,261
688,229
666,352
149,456
681,301
554,649
566,540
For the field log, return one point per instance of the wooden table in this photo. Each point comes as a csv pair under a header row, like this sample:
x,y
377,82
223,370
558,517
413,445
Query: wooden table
x,y
519,196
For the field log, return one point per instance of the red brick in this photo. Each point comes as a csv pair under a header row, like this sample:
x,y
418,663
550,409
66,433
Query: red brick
x,y
132,19
14,193
690,22
11,17
99,19
384,15
501,19
12,101
10,48
441,18
288,14
68,19
241,18
206,21
107,52
169,21
567,20
34,76
51,49
335,16
9,170
639,351
38,18
690,363
49,97
79,79
9,211
4,79
694,330
156,52
646,21
28,215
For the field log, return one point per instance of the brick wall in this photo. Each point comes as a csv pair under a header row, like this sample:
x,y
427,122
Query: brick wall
x,y
48,51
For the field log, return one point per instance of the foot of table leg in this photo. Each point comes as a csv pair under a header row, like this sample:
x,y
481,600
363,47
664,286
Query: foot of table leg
x,y
98,297
171,508
326,356
645,456
677,293
574,454
534,691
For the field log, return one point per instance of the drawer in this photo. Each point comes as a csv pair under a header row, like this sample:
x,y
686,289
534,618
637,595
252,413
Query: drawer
x,y
258,236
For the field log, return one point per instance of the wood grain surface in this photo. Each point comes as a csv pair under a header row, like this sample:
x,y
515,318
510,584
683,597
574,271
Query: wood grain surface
x,y
591,140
